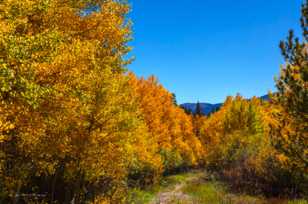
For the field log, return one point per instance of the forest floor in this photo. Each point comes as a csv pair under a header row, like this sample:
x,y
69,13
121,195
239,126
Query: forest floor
x,y
197,188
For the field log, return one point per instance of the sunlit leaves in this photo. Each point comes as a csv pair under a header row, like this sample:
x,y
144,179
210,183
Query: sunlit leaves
x,y
168,125
66,111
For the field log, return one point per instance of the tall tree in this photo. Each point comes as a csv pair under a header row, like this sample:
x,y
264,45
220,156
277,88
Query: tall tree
x,y
174,99
292,96
66,119
198,111
170,128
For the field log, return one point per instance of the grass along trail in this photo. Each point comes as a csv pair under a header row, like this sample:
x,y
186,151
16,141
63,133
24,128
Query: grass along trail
x,y
197,188
175,193
171,196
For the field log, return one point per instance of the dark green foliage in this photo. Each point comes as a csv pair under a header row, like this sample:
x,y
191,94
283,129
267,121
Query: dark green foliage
x,y
198,111
174,99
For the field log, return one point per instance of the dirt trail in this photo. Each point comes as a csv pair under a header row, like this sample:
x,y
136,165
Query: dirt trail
x,y
174,194
208,192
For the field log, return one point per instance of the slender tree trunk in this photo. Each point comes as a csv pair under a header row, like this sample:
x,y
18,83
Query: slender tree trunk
x,y
53,186
17,194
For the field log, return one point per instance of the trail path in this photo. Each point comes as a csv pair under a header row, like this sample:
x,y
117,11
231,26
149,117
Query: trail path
x,y
207,191
175,194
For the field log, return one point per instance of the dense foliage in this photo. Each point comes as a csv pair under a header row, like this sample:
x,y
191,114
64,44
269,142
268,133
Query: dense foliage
x,y
73,124
240,148
76,126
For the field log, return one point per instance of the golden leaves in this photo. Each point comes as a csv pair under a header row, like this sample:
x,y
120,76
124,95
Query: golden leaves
x,y
168,124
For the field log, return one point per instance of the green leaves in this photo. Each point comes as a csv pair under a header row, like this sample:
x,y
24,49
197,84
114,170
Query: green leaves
x,y
7,79
39,48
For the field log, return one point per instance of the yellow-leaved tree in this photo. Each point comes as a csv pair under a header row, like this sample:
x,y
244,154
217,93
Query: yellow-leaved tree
x,y
68,124
169,126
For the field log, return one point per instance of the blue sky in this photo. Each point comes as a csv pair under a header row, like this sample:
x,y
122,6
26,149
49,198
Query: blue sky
x,y
208,49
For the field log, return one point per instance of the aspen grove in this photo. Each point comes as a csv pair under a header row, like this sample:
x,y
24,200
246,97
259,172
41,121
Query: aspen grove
x,y
76,125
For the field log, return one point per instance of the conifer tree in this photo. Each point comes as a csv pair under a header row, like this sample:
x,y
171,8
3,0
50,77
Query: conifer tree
x,y
174,99
198,111
292,96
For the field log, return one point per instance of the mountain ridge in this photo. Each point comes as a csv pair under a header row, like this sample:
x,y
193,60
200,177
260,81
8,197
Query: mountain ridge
x,y
208,108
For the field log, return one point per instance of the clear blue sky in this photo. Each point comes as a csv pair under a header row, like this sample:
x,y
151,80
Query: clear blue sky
x,y
208,49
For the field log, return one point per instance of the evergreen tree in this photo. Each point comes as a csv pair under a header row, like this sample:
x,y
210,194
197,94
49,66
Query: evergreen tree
x,y
198,111
293,81
197,120
174,99
292,96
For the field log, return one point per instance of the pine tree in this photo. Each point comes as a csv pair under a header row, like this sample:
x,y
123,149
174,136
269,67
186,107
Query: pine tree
x,y
198,111
292,96
174,99
293,82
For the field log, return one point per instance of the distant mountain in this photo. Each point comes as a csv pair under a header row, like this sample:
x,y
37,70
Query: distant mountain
x,y
208,108
265,97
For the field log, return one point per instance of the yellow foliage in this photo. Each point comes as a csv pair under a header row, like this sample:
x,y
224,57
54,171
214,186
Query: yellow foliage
x,y
168,125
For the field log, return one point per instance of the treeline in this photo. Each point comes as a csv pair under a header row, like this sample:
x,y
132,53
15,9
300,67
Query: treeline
x,y
244,150
76,126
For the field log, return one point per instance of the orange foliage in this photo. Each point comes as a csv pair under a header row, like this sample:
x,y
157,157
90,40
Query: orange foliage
x,y
168,124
